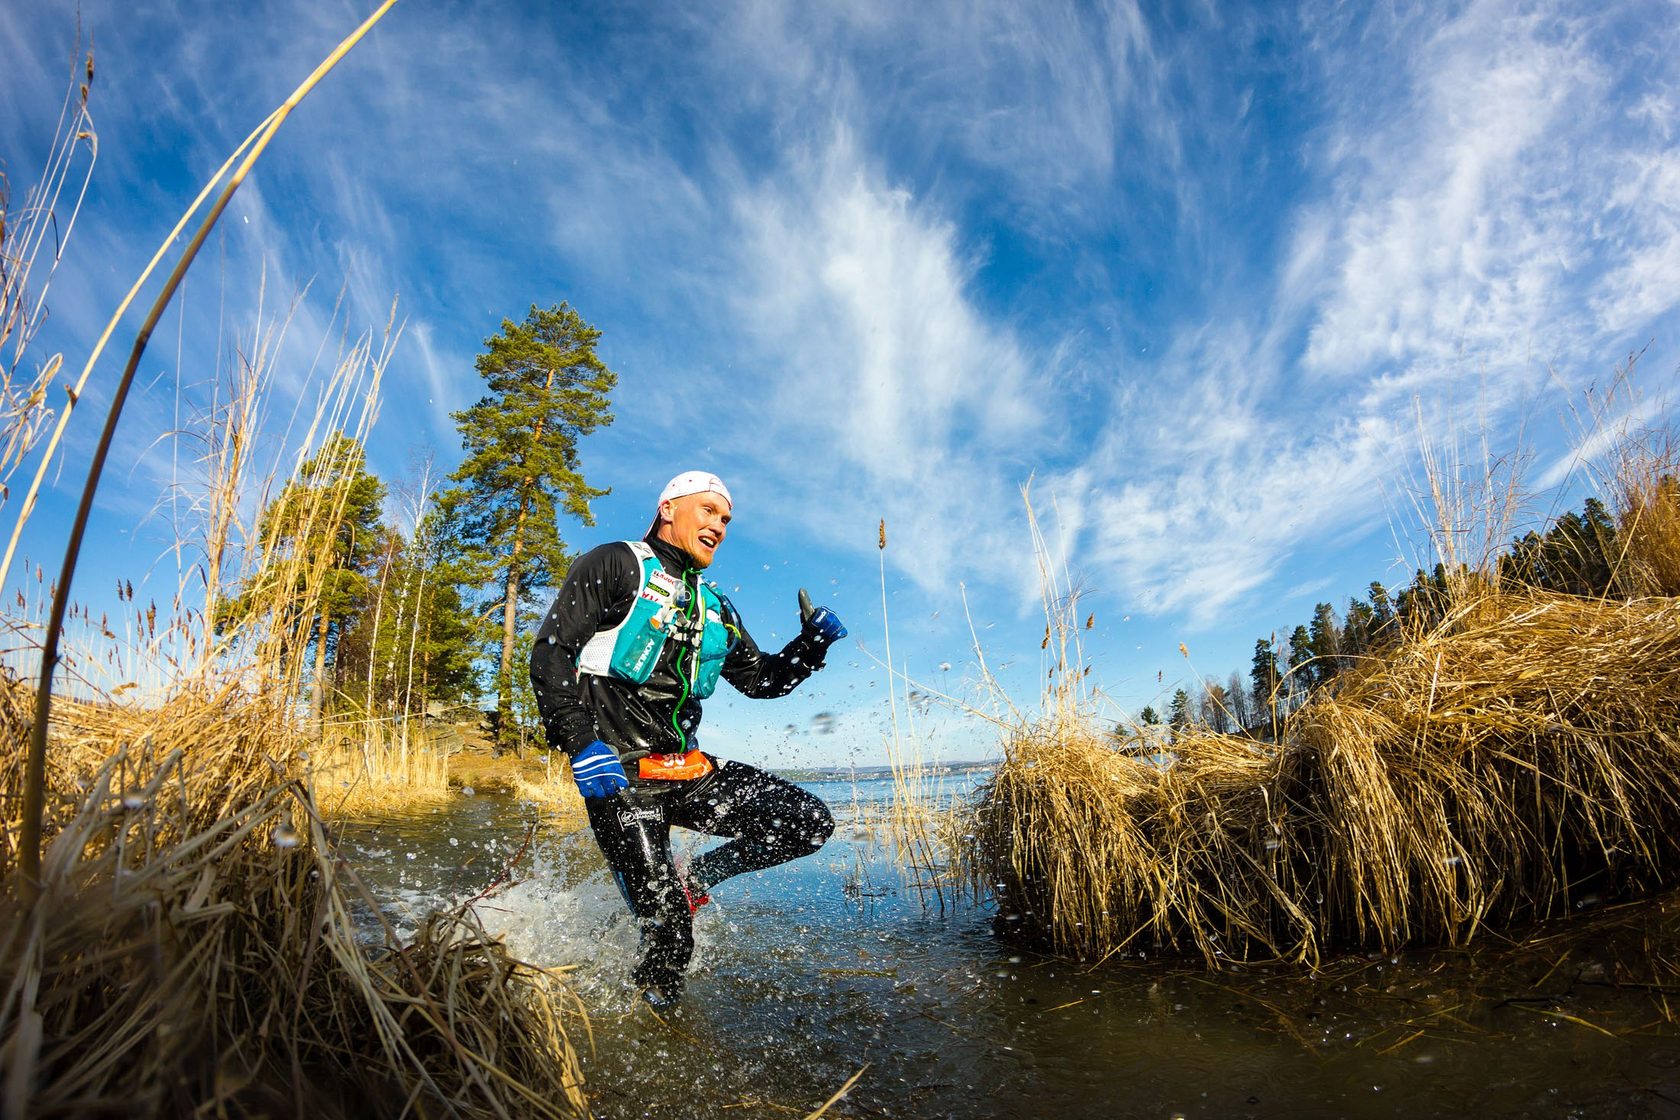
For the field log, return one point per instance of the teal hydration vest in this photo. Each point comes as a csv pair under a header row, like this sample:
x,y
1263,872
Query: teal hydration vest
x,y
663,609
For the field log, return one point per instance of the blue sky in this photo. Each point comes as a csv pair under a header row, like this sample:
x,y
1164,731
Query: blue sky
x,y
1203,273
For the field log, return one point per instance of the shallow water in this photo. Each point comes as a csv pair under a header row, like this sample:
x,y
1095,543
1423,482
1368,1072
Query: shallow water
x,y
807,973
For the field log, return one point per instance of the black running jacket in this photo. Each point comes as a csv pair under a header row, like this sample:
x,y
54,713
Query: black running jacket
x,y
638,719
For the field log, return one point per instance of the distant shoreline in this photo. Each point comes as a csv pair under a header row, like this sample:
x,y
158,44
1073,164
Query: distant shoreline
x,y
878,773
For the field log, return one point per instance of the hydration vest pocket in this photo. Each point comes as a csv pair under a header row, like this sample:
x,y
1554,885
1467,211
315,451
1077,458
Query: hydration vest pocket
x,y
674,767
714,648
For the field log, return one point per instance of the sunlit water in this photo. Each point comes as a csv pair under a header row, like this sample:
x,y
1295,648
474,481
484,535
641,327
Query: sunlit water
x,y
807,973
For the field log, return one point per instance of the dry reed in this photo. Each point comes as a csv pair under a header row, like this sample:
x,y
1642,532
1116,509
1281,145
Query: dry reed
x,y
915,815
1645,487
178,934
32,240
1515,761
362,765
195,946
557,793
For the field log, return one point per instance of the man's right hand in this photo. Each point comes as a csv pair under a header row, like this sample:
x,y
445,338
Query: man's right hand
x,y
819,624
597,771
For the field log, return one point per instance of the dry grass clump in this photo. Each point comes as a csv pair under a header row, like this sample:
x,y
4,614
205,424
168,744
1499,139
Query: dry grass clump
x,y
1091,849
556,792
362,766
176,927
193,947
1515,761
1647,493
1520,759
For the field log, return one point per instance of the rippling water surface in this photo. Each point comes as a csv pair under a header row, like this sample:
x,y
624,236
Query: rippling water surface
x,y
807,973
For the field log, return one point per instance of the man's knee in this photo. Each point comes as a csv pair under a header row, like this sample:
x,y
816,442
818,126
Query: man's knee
x,y
797,827
819,824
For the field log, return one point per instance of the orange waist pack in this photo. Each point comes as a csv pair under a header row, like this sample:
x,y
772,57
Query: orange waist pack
x,y
674,767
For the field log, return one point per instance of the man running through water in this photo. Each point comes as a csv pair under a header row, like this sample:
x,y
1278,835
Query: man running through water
x,y
635,640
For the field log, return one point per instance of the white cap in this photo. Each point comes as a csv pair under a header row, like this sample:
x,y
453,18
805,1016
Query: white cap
x,y
695,482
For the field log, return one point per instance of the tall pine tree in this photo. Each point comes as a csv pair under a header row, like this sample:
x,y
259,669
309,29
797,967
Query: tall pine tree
x,y
547,391
319,539
1300,676
1325,641
1263,676
1180,717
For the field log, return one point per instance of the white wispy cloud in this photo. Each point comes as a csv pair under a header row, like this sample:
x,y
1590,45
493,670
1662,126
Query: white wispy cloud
x,y
1505,203
1043,100
1483,219
1449,239
927,251
1209,487
878,371
1643,280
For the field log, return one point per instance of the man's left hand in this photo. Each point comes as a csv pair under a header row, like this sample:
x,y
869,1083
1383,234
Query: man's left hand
x,y
819,623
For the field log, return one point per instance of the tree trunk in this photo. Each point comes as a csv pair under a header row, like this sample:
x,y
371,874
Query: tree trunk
x,y
505,737
318,696
370,703
413,641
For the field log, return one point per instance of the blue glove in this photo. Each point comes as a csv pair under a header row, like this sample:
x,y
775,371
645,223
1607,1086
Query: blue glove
x,y
597,771
819,623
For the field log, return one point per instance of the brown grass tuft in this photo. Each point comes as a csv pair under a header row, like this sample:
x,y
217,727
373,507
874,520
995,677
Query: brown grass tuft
x,y
1520,760
1517,761
178,934
195,945
1646,489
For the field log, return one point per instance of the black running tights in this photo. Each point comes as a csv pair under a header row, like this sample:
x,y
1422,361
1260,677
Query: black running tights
x,y
769,820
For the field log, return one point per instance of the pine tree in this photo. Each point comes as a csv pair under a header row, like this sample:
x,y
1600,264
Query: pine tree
x,y
1179,718
1356,631
1576,556
547,391
1263,676
1415,606
1382,614
1325,642
319,540
1300,665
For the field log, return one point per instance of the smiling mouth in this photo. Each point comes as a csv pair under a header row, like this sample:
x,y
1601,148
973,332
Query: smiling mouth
x,y
708,541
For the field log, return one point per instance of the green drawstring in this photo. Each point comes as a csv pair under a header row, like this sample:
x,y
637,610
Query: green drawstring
x,y
687,681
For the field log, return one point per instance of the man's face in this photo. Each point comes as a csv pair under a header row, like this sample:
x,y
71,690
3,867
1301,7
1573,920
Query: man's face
x,y
695,523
